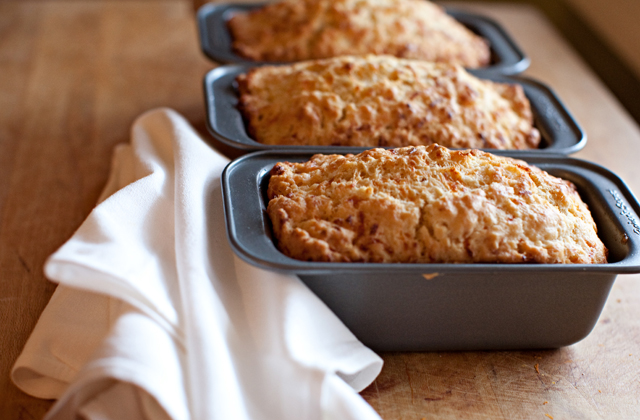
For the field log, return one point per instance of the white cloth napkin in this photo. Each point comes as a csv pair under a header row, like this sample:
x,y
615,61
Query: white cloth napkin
x,y
155,318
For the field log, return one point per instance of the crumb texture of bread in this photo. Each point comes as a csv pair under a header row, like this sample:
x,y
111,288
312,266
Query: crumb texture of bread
x,y
383,101
295,30
428,205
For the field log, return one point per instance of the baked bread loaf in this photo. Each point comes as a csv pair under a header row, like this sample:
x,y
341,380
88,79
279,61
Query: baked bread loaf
x,y
428,205
294,30
383,101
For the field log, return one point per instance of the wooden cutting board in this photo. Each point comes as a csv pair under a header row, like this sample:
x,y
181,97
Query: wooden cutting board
x,y
75,74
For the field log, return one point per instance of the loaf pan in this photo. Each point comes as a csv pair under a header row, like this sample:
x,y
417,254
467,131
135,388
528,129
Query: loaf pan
x,y
559,131
215,40
440,307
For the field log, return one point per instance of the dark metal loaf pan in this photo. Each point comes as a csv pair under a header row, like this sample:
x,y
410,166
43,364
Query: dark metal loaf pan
x,y
559,130
424,307
215,40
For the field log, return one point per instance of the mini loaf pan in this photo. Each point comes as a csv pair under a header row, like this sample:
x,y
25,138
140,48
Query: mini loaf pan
x,y
560,133
440,307
215,40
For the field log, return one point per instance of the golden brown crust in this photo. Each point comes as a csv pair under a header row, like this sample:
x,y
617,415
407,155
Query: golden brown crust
x,y
375,101
294,30
428,205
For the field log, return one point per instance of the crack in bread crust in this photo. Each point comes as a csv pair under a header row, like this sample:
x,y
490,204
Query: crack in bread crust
x,y
294,30
383,101
428,205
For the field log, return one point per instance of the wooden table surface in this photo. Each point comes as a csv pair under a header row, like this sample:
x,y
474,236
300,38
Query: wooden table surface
x,y
75,74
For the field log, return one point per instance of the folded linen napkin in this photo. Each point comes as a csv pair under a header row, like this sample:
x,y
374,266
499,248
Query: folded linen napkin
x,y
155,318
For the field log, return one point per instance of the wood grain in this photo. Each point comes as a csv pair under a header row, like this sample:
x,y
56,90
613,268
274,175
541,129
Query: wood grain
x,y
75,74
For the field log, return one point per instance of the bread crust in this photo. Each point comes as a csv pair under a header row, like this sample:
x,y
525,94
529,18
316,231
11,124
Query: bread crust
x,y
383,101
428,205
294,30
